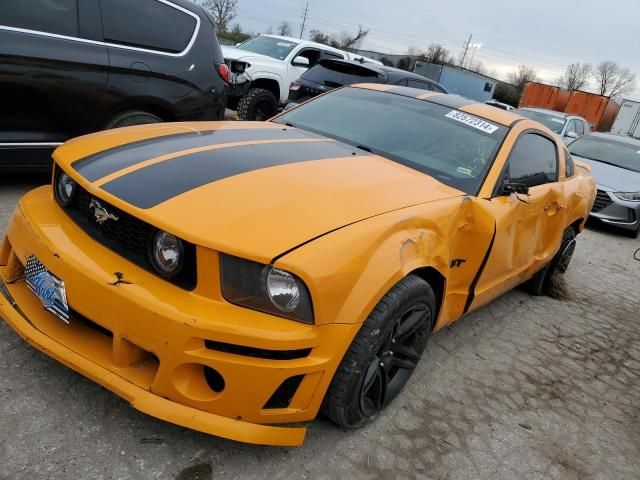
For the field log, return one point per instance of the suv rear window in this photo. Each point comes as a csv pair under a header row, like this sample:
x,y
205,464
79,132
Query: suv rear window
x,y
146,24
337,74
51,16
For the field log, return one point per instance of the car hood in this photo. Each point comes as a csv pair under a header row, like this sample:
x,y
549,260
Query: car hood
x,y
611,177
234,53
250,189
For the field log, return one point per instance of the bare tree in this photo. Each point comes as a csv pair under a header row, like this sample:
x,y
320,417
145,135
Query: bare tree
x,y
352,40
478,67
626,83
576,77
613,80
344,40
284,29
223,12
521,76
436,53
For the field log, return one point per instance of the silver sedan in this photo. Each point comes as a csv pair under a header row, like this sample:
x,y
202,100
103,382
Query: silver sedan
x,y
615,164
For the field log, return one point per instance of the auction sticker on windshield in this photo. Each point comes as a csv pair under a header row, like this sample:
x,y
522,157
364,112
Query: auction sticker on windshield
x,y
472,121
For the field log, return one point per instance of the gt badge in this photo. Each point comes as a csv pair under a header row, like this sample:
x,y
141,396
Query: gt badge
x,y
100,213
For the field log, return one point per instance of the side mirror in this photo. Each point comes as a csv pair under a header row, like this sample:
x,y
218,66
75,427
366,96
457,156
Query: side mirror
x,y
517,188
301,62
572,135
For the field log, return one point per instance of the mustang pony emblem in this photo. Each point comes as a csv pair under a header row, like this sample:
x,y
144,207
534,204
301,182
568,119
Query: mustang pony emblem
x,y
100,213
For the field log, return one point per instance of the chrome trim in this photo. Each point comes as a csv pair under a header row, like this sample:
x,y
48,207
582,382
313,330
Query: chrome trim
x,y
31,144
115,45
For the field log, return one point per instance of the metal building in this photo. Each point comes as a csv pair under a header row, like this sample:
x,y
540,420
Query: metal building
x,y
459,80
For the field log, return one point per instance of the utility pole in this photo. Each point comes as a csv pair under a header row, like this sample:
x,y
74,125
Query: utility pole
x,y
466,49
304,20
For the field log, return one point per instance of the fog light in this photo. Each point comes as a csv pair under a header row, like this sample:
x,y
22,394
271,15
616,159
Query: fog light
x,y
167,253
65,189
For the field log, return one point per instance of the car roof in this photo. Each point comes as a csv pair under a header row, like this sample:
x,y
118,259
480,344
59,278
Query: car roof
x,y
457,102
617,138
555,113
390,72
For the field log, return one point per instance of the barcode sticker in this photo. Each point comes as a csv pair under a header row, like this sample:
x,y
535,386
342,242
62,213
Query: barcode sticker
x,y
472,121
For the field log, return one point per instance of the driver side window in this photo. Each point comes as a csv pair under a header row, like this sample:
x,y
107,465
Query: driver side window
x,y
533,161
310,54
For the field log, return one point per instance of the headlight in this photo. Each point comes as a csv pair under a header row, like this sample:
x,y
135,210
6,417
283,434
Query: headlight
x,y
629,196
265,288
65,189
167,254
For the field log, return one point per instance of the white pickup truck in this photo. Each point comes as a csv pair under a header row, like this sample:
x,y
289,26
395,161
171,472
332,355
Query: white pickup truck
x,y
264,68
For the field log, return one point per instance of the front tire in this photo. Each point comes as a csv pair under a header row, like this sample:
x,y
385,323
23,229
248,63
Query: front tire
x,y
383,355
542,282
258,104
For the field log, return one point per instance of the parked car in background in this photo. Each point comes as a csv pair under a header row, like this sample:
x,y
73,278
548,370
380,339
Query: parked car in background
x,y
71,67
567,127
329,74
500,105
615,164
270,64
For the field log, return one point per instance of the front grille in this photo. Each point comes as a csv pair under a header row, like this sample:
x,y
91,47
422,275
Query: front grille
x,y
129,237
603,200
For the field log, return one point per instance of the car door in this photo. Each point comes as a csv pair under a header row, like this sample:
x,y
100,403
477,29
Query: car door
x,y
53,76
528,227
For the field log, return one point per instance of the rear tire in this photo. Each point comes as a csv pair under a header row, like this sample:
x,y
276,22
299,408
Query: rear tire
x,y
383,355
257,105
132,117
542,282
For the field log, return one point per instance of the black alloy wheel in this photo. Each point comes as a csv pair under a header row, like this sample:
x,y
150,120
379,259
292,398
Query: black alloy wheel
x,y
383,355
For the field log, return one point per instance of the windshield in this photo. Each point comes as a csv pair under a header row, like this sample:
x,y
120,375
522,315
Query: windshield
x,y
454,147
269,46
553,122
614,152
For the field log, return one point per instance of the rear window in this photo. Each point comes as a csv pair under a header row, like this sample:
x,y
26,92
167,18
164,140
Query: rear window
x,y
148,24
553,122
337,74
451,146
50,16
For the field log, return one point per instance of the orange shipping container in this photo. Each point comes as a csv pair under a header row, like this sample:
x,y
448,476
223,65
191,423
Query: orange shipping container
x,y
596,109
539,95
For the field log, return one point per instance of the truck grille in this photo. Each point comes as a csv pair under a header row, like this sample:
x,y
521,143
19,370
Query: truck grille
x,y
603,200
129,237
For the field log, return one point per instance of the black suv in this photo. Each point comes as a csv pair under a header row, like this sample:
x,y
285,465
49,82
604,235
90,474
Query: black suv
x,y
329,74
70,67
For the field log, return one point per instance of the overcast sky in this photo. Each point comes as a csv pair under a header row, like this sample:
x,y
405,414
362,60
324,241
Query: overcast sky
x,y
546,34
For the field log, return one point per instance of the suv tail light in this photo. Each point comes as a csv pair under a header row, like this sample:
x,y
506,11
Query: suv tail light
x,y
295,86
224,72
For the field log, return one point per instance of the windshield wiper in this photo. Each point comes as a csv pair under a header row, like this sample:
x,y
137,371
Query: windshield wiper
x,y
365,148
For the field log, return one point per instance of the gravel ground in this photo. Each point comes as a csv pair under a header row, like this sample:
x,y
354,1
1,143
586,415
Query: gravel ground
x,y
525,388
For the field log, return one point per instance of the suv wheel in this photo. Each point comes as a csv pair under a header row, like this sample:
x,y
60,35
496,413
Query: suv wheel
x,y
127,119
258,104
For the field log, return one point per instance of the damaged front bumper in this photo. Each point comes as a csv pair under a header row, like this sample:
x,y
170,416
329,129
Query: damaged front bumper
x,y
188,358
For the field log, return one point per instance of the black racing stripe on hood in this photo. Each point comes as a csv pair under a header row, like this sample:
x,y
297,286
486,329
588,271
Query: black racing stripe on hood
x,y
157,183
110,161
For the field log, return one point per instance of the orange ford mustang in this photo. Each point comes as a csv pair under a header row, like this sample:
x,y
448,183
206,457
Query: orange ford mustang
x,y
232,276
